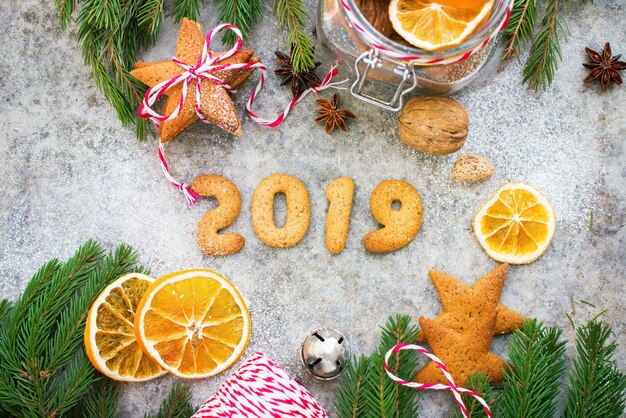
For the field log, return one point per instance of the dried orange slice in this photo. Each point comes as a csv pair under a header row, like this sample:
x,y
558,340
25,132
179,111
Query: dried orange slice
x,y
516,225
193,323
110,341
440,24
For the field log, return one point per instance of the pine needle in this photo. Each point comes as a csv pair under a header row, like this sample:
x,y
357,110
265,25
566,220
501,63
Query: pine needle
x,y
187,8
176,405
532,379
292,15
521,27
597,389
479,383
545,52
101,401
367,391
45,370
241,13
5,308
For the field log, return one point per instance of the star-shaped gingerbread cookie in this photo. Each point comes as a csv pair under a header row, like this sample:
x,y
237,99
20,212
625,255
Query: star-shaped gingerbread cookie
x,y
463,353
216,104
461,302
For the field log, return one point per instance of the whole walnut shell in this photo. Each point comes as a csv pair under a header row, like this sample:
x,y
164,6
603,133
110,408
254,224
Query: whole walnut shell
x,y
434,125
377,14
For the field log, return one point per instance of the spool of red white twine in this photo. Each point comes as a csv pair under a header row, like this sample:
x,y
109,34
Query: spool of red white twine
x,y
205,67
456,391
372,37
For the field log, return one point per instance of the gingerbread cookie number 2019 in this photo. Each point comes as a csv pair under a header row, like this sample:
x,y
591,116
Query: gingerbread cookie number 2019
x,y
400,225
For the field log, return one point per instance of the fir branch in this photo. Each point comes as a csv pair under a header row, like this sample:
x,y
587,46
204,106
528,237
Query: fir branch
x,y
45,371
545,52
597,388
100,402
186,8
176,405
479,383
65,8
149,17
5,308
348,402
368,391
532,380
521,27
241,13
292,15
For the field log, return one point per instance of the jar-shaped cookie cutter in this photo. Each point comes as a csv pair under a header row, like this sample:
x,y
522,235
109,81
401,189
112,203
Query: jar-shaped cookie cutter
x,y
344,30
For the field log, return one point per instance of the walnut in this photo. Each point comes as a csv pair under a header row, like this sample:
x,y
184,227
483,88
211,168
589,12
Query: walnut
x,y
376,12
434,125
472,168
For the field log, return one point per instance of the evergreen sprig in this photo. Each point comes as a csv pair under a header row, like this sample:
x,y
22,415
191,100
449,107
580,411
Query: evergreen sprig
x,y
479,383
532,379
543,36
292,16
367,391
241,13
176,405
45,371
597,389
521,27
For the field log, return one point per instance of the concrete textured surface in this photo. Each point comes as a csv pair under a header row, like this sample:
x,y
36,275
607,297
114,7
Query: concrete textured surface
x,y
69,172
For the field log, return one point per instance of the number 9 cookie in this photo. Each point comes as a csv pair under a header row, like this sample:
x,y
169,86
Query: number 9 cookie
x,y
298,210
399,226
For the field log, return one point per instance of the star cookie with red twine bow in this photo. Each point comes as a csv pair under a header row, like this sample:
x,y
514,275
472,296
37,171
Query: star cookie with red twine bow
x,y
178,79
213,75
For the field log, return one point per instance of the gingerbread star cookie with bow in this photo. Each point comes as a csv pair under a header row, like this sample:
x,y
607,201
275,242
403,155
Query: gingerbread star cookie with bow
x,y
216,105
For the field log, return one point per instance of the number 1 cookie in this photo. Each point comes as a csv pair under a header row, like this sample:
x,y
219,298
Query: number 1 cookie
x,y
339,194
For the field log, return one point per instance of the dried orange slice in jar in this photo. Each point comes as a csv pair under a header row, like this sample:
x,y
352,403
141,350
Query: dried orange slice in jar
x,y
193,323
110,341
433,25
516,225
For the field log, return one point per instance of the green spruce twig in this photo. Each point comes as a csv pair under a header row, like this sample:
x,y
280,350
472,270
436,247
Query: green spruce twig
x,y
101,401
292,15
545,52
479,383
187,8
45,371
241,13
521,27
597,388
367,391
532,380
176,405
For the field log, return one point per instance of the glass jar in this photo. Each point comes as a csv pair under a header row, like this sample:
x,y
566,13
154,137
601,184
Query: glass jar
x,y
372,56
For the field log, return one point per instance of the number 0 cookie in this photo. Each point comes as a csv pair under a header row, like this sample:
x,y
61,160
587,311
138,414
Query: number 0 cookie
x,y
298,210
399,226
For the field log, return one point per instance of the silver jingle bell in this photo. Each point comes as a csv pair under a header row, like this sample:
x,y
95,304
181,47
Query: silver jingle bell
x,y
324,353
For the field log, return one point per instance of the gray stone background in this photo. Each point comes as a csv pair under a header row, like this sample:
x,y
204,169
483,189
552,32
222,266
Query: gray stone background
x,y
69,172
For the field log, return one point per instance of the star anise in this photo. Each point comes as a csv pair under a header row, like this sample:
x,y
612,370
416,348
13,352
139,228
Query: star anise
x,y
331,115
604,66
300,80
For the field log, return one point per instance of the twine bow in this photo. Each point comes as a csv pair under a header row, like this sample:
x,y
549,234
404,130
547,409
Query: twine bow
x,y
456,391
206,67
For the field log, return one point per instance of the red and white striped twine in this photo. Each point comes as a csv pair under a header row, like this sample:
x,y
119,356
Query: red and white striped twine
x,y
373,37
456,391
260,388
207,64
